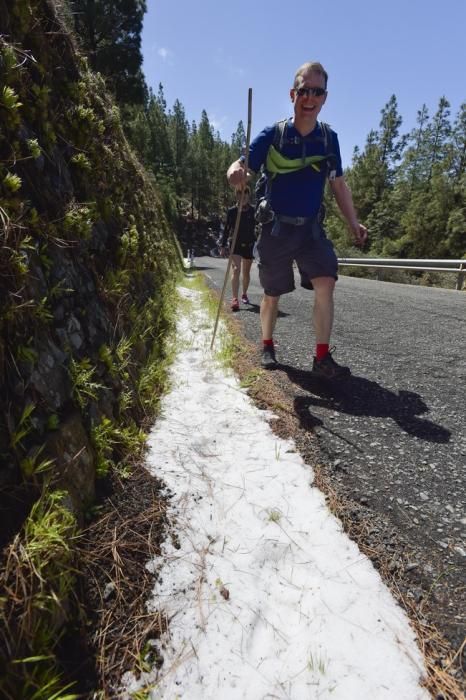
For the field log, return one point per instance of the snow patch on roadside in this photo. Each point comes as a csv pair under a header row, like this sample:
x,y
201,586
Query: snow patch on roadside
x,y
265,594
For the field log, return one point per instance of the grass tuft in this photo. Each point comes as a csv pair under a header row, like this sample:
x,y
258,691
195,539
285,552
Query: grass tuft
x,y
35,584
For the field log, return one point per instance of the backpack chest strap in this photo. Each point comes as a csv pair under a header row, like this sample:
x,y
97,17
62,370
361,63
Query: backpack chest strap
x,y
278,164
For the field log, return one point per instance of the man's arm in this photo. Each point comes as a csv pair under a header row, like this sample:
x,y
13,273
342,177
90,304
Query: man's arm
x,y
345,203
226,232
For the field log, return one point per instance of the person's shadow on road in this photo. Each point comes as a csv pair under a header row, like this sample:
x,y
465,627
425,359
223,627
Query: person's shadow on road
x,y
256,309
358,396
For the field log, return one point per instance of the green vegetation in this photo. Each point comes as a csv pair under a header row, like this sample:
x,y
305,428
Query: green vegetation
x,y
110,35
88,267
39,577
250,378
318,662
410,189
83,388
275,516
108,437
188,161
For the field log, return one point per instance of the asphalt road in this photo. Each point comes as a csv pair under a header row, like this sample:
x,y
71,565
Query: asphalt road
x,y
395,431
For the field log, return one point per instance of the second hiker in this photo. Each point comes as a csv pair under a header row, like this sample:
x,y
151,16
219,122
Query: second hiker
x,y
243,251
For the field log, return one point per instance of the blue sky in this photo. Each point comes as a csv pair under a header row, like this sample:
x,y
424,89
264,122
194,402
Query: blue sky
x,y
209,52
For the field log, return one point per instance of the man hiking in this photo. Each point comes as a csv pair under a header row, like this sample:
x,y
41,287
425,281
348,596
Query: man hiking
x,y
299,155
242,257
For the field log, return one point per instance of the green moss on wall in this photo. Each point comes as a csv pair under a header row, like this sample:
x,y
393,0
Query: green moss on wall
x,y
87,268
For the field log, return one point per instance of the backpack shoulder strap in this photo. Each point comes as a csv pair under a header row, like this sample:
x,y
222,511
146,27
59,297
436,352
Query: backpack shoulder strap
x,y
279,134
328,145
327,136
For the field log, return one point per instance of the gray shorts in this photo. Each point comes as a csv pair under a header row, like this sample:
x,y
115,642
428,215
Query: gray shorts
x,y
280,244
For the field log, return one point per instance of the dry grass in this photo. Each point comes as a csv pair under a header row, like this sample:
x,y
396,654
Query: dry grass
x,y
114,553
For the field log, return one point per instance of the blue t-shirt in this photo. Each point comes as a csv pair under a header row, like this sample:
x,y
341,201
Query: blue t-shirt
x,y
298,193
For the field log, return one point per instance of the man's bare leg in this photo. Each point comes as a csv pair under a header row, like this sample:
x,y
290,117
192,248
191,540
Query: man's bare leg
x,y
246,274
235,270
323,308
324,365
269,311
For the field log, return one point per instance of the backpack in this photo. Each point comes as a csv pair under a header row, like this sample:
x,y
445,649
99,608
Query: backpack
x,y
263,188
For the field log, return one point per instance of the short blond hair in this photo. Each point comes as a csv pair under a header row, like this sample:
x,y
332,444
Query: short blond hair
x,y
314,66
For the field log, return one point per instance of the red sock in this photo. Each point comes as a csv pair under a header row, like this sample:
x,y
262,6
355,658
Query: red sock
x,y
321,350
268,343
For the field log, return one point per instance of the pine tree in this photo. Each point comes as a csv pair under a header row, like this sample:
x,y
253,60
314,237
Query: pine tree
x,y
238,141
178,129
390,144
440,133
205,149
456,166
415,166
364,177
159,147
138,132
457,150
110,35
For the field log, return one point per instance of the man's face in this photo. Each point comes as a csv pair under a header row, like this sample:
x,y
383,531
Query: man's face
x,y
307,106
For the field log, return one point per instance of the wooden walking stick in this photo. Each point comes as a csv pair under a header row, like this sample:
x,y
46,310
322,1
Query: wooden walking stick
x,y
238,218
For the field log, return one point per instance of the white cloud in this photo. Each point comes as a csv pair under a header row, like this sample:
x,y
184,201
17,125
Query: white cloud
x,y
218,123
165,54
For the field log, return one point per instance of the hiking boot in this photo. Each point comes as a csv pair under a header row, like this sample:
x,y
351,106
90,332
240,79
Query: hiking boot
x,y
327,368
268,360
234,304
245,299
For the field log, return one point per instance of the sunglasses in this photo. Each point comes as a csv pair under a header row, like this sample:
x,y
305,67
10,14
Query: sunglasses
x,y
314,91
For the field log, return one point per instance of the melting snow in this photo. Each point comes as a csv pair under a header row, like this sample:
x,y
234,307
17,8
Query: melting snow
x,y
266,595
